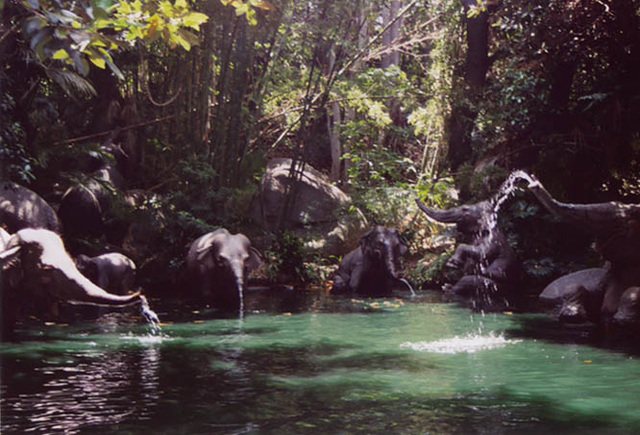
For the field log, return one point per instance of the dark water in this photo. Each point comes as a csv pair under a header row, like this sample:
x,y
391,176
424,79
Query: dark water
x,y
313,364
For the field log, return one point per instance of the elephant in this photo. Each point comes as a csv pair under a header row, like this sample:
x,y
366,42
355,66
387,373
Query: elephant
x,y
22,208
37,272
112,271
488,263
578,295
616,227
218,264
372,268
628,314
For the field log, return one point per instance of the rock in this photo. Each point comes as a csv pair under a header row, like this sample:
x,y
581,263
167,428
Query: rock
x,y
313,213
22,208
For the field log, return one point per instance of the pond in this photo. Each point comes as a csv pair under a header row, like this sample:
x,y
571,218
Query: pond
x,y
310,363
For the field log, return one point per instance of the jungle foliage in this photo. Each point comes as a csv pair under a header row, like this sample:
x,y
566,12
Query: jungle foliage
x,y
392,99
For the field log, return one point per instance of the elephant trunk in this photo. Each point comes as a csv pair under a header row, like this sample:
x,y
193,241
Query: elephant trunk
x,y
237,269
600,218
80,290
450,216
390,260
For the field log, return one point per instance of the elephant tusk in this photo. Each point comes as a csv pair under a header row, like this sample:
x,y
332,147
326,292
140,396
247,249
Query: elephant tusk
x,y
9,254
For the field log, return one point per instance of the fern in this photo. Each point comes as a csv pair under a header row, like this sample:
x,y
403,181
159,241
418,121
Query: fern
x,y
71,83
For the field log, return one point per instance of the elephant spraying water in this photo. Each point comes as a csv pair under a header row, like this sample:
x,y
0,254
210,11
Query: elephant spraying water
x,y
489,264
218,264
37,270
372,268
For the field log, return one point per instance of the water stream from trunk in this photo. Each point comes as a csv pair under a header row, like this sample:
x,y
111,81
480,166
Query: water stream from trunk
x,y
488,227
150,316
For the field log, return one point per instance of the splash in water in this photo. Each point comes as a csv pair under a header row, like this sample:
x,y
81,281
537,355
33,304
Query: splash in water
x,y
469,344
150,315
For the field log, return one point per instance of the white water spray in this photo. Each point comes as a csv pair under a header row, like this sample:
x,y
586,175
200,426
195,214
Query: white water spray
x,y
409,286
470,343
489,223
150,315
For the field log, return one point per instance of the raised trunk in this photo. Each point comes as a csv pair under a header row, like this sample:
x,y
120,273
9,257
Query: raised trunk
x,y
599,218
450,216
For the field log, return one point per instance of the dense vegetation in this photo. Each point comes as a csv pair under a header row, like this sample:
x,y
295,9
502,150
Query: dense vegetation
x,y
391,99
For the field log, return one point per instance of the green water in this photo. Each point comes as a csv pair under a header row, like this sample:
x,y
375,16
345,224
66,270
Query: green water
x,y
385,366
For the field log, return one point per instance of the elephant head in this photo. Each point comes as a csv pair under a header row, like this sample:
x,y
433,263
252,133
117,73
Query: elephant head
x,y
36,259
220,262
628,314
383,247
469,219
616,226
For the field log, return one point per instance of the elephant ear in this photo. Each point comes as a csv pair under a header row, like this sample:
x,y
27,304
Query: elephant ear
x,y
403,247
203,252
209,242
255,259
364,240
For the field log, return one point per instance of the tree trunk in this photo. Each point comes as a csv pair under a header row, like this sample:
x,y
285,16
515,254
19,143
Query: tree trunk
x,y
460,123
334,136
392,58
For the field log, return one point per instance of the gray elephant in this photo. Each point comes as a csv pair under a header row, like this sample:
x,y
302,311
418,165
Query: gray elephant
x,y
372,268
112,271
488,263
218,264
627,315
37,272
616,228
22,208
576,296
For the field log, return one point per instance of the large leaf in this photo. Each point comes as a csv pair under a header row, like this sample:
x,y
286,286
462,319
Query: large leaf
x,y
72,83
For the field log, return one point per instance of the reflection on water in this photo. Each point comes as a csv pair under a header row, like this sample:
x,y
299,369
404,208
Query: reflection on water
x,y
69,391
322,365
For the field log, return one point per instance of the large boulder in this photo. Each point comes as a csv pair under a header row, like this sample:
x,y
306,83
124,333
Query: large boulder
x,y
22,208
313,212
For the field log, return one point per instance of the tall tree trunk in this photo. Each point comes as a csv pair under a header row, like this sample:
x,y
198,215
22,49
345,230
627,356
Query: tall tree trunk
x,y
392,58
334,122
460,123
242,61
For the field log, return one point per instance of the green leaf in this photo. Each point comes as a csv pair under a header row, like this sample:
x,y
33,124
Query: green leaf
x,y
176,37
124,8
61,54
190,37
262,4
194,20
167,9
241,8
99,62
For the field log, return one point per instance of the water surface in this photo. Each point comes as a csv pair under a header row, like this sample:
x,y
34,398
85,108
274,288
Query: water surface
x,y
319,365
